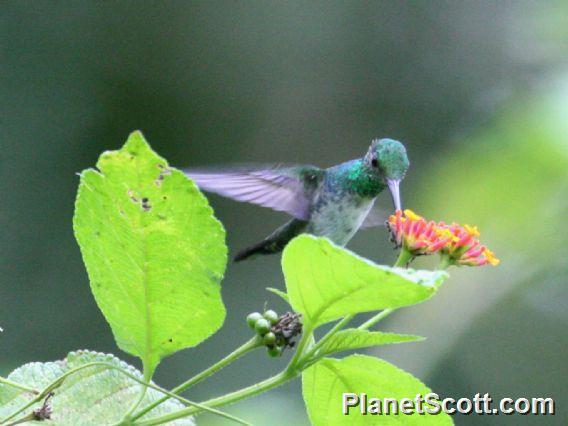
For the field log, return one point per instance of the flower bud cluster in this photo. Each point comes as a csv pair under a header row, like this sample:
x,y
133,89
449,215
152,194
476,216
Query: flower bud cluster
x,y
276,331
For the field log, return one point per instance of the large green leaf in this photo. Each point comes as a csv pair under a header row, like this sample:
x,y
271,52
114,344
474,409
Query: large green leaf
x,y
95,395
154,252
353,338
324,384
325,282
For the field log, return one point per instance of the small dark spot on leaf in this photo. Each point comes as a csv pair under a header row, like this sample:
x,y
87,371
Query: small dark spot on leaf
x,y
170,340
165,171
145,202
132,197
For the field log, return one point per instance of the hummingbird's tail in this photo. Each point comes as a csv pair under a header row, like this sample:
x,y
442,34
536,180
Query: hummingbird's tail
x,y
275,242
260,248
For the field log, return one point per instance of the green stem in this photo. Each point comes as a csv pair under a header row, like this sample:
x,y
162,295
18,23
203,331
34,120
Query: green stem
x,y
180,398
372,321
247,392
57,382
445,262
294,368
404,258
147,378
53,385
253,343
9,382
307,335
30,417
338,326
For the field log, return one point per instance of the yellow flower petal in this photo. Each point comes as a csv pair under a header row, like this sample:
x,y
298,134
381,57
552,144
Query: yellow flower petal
x,y
472,230
411,215
490,256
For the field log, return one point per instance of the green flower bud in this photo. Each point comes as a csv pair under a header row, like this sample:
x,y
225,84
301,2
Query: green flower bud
x,y
269,339
271,316
274,351
253,318
262,326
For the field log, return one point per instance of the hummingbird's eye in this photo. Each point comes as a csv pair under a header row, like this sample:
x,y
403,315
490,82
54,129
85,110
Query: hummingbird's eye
x,y
374,162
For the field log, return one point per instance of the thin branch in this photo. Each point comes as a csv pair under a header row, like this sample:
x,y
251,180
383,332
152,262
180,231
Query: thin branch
x,y
57,382
13,384
253,343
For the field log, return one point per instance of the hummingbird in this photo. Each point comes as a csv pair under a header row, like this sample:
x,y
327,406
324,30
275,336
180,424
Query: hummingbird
x,y
333,202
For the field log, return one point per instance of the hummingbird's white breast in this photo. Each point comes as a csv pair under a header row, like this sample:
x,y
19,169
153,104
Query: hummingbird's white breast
x,y
338,216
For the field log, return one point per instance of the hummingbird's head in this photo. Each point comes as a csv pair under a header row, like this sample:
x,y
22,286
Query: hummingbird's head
x,y
387,158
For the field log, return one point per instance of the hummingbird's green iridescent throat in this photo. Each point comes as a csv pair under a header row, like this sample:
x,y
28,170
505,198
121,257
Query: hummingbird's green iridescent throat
x,y
333,202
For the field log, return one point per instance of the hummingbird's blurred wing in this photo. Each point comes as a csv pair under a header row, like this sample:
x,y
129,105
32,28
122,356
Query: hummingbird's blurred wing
x,y
377,216
287,189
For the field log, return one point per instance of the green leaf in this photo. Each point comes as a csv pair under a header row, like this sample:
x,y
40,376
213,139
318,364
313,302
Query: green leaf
x,y
154,252
280,293
95,395
353,338
324,384
326,282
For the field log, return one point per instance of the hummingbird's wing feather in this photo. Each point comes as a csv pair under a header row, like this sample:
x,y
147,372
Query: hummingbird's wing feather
x,y
377,216
287,189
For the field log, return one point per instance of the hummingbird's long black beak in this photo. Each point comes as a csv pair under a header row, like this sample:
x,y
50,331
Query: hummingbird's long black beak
x,y
394,189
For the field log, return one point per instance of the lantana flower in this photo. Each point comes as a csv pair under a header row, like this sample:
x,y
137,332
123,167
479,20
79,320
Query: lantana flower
x,y
414,234
464,248
457,244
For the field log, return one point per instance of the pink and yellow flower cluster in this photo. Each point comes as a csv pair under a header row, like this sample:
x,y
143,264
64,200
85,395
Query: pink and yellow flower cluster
x,y
458,244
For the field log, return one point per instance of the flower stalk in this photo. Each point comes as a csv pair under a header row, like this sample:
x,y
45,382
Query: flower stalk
x,y
250,345
13,384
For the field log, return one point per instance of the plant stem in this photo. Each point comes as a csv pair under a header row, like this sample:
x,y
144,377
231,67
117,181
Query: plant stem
x,y
296,365
338,326
249,391
253,343
30,417
445,263
57,382
147,378
294,368
372,321
53,385
306,338
404,258
180,398
25,388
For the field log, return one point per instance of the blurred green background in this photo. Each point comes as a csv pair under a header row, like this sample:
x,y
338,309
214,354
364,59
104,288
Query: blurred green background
x,y
478,91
